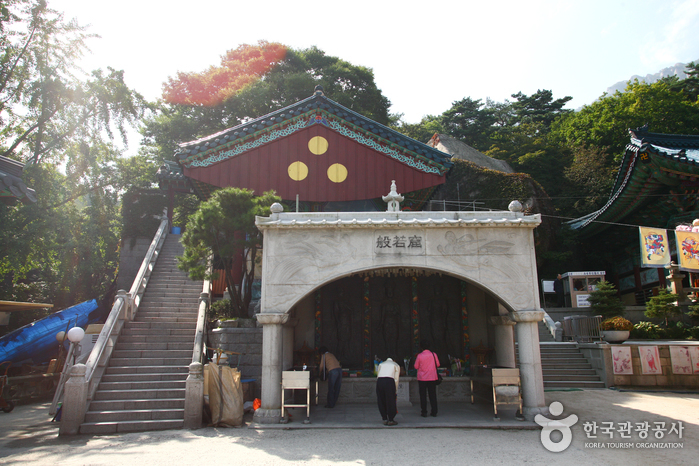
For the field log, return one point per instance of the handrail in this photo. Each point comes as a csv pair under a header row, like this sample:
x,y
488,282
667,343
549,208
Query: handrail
x,y
65,374
204,302
194,386
126,304
554,328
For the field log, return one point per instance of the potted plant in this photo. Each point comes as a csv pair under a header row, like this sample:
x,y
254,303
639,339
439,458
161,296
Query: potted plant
x,y
616,329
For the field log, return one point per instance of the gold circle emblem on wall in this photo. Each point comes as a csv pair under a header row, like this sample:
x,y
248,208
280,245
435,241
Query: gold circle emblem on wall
x,y
298,171
337,173
318,145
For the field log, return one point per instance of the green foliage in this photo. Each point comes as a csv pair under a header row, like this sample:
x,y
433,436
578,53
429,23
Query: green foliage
x,y
605,122
664,306
647,331
45,107
221,309
291,78
141,212
605,301
225,225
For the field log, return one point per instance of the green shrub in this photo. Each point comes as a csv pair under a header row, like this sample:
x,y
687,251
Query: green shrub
x,y
221,309
647,331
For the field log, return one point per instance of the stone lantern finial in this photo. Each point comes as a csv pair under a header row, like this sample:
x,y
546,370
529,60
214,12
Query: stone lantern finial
x,y
393,199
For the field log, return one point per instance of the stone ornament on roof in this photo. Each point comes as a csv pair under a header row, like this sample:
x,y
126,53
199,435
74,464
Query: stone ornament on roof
x,y
393,199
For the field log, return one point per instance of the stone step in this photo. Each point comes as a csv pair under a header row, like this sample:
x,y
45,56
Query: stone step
x,y
151,354
147,318
571,384
134,415
167,313
155,331
151,361
145,369
147,377
551,372
150,394
556,367
142,385
571,378
156,338
129,426
113,405
159,325
149,346
171,299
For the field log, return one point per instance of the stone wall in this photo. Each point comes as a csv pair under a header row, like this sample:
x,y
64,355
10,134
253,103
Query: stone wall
x,y
667,379
247,341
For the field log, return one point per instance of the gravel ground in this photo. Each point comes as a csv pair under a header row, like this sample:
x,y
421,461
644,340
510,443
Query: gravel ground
x,y
27,437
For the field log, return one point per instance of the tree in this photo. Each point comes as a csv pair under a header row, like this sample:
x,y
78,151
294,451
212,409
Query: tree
x,y
539,107
605,301
604,124
251,81
44,105
471,121
225,225
664,306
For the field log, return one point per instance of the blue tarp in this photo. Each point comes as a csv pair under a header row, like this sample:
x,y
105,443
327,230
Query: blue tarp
x,y
37,341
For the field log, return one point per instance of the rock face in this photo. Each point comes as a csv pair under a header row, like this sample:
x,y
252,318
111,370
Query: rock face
x,y
678,69
459,150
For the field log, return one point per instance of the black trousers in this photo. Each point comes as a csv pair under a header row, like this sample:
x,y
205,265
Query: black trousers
x,y
426,387
386,397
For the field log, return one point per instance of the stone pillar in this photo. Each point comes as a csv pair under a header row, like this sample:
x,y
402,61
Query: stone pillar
x,y
270,409
288,343
530,361
74,401
504,341
194,396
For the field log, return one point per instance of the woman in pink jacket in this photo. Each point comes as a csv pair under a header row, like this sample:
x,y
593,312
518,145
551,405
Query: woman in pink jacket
x,y
426,364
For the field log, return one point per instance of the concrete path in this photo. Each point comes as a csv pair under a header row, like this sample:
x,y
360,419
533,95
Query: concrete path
x,y
355,435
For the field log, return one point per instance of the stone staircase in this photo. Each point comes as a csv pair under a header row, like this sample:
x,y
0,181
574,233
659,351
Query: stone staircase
x,y
143,387
563,365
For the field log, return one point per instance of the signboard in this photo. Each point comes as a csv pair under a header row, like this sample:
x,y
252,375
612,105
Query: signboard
x,y
582,300
406,242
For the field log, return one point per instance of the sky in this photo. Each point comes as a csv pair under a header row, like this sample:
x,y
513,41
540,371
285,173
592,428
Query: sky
x,y
425,55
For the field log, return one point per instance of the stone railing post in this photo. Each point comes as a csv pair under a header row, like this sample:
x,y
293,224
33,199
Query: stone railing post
x,y
74,401
194,396
530,371
270,409
504,341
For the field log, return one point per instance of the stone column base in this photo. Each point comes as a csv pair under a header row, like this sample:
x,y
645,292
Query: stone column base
x,y
267,416
529,412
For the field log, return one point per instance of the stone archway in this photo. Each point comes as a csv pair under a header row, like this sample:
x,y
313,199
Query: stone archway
x,y
303,251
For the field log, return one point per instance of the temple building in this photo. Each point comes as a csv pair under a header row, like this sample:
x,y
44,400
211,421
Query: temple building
x,y
353,261
656,186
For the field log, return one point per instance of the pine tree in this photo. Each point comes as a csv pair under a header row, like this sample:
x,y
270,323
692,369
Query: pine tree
x,y
605,301
663,306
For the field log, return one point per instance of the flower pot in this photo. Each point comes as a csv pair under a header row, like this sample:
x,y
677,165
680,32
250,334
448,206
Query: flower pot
x,y
615,336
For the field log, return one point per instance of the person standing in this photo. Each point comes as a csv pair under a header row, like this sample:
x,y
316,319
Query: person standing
x,y
333,369
426,364
558,289
386,386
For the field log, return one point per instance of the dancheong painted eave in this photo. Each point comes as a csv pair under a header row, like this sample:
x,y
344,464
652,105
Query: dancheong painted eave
x,y
652,163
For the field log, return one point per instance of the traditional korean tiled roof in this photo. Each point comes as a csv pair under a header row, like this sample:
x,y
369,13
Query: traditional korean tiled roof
x,y
657,182
12,188
316,109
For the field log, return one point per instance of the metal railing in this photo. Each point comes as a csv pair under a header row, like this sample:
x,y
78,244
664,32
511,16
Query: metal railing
x,y
84,379
583,329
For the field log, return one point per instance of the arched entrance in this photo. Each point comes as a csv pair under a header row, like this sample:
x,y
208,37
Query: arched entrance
x,y
377,253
